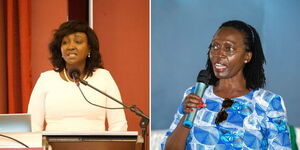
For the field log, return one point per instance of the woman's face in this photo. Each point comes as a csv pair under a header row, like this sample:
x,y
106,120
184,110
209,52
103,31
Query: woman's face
x,y
75,48
228,54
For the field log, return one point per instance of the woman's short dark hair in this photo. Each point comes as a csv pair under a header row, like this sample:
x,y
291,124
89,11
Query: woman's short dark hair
x,y
253,70
69,27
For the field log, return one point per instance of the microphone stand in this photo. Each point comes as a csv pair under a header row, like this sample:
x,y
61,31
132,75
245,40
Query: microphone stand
x,y
133,108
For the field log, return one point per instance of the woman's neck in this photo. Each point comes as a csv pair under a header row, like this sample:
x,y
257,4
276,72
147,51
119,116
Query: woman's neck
x,y
229,88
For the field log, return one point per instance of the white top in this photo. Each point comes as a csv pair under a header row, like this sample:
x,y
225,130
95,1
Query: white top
x,y
63,107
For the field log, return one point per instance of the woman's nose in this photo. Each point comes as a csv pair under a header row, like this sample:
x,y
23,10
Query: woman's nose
x,y
71,46
219,53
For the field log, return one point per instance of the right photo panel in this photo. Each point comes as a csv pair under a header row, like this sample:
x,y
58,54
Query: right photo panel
x,y
224,75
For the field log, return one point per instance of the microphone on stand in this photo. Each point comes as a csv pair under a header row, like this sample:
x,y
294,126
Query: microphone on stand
x,y
75,74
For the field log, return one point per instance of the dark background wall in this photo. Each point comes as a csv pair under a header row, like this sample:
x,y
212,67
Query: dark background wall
x,y
182,31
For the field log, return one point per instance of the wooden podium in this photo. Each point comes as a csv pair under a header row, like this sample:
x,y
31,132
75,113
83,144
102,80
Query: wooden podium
x,y
92,140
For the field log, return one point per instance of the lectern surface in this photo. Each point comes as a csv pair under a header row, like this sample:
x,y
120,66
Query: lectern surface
x,y
31,139
92,140
128,133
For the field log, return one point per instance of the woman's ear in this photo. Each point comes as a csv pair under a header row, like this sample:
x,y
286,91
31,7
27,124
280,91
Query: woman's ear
x,y
248,57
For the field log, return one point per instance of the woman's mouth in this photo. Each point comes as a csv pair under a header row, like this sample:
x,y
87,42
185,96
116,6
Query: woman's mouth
x,y
71,55
220,67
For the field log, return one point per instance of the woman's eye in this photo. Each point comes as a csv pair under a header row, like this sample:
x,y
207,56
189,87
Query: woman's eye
x,y
63,42
215,47
78,42
229,48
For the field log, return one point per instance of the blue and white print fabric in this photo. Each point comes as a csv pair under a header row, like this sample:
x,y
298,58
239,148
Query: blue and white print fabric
x,y
255,121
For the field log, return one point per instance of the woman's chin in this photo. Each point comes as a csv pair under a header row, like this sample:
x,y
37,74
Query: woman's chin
x,y
73,62
221,74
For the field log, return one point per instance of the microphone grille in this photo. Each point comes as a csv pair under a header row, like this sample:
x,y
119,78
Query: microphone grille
x,y
204,76
74,72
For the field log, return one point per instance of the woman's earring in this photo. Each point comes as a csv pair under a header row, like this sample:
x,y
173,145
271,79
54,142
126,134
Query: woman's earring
x,y
89,55
246,61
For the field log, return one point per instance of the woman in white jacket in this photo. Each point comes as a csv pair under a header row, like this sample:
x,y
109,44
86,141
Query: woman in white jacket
x,y
56,101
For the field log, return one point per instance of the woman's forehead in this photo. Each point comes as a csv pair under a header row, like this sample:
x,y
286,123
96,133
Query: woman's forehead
x,y
76,35
229,34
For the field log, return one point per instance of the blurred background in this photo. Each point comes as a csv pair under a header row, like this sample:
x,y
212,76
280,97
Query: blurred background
x,y
181,31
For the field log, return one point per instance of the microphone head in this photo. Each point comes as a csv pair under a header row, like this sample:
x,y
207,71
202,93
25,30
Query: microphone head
x,y
74,73
204,76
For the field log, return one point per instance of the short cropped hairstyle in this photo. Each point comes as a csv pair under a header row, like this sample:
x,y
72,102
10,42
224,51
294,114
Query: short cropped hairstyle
x,y
69,27
253,70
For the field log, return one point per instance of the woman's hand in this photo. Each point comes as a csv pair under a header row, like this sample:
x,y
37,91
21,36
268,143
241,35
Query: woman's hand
x,y
177,140
192,101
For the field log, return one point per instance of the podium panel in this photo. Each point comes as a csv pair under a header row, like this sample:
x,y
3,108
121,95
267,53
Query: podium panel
x,y
21,148
103,145
91,141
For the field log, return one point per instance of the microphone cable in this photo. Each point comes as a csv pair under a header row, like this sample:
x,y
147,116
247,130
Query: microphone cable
x,y
132,108
96,104
144,119
14,140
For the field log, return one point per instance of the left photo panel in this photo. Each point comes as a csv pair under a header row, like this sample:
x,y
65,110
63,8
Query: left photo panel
x,y
74,74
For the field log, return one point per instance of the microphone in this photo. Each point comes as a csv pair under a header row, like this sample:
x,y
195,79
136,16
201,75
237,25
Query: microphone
x,y
75,74
202,82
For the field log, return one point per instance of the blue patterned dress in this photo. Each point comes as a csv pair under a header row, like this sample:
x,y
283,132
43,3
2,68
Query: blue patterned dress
x,y
255,121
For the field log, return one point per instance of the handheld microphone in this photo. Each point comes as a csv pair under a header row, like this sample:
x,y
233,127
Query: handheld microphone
x,y
202,82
